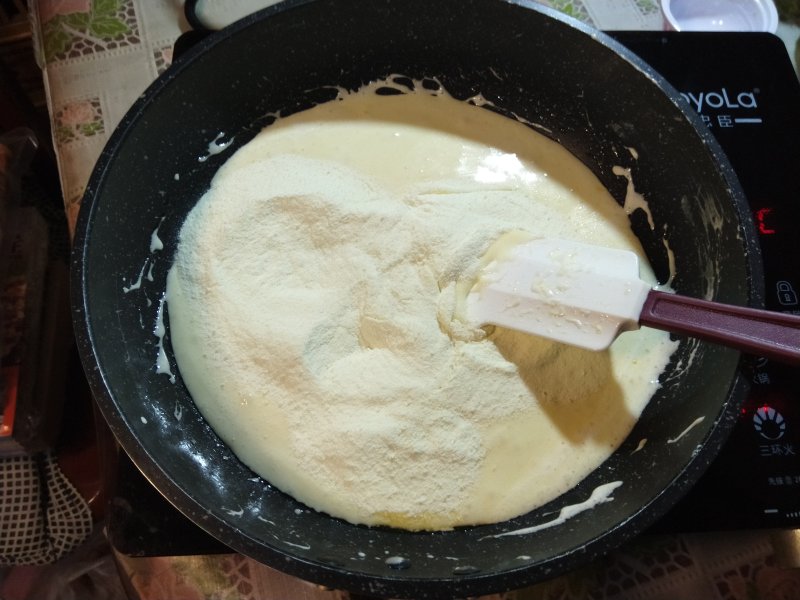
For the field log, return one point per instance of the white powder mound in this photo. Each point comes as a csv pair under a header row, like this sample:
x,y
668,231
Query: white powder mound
x,y
311,312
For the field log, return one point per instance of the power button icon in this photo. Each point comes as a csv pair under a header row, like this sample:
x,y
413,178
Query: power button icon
x,y
769,423
786,293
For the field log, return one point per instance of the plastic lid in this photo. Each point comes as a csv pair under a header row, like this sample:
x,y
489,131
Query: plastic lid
x,y
720,15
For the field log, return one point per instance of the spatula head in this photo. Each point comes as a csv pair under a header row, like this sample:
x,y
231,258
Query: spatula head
x,y
567,291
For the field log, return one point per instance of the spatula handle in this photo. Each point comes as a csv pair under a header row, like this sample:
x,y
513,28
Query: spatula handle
x,y
773,335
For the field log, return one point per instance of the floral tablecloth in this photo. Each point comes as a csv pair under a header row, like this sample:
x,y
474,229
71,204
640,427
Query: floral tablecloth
x,y
98,56
734,566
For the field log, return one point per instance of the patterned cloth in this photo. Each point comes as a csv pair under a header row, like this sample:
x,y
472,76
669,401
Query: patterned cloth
x,y
42,516
98,56
719,566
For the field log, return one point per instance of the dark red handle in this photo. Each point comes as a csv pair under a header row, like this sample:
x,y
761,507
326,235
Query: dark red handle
x,y
773,335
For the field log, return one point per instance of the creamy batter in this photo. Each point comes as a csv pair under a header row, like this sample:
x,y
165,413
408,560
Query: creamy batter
x,y
312,300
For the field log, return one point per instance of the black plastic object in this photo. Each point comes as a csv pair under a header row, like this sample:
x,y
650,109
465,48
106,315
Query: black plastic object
x,y
578,86
193,36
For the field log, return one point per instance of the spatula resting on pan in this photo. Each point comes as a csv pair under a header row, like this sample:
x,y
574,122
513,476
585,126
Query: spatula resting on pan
x,y
587,295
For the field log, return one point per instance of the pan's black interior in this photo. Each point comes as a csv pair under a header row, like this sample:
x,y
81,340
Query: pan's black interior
x,y
579,87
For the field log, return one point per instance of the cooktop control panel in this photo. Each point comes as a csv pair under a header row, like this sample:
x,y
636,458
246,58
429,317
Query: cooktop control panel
x,y
745,89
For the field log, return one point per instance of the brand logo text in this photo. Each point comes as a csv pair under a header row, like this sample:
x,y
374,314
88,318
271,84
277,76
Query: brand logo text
x,y
720,99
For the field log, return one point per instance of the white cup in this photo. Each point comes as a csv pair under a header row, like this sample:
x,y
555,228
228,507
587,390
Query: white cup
x,y
719,15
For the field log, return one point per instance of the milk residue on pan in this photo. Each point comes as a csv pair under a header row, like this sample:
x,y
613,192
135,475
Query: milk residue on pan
x,y
160,330
683,433
709,245
156,243
162,365
633,199
600,495
481,100
636,201
640,446
298,545
146,272
137,283
214,147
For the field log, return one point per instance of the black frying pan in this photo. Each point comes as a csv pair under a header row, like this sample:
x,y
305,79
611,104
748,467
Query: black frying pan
x,y
595,98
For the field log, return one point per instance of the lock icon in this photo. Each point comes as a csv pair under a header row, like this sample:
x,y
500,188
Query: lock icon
x,y
786,293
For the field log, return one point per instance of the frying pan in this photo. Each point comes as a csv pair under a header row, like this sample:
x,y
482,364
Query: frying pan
x,y
574,84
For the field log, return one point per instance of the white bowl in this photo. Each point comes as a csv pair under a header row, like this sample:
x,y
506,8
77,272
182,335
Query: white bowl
x,y
719,15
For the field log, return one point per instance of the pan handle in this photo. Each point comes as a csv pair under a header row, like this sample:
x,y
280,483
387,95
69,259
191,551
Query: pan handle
x,y
198,30
764,333
190,12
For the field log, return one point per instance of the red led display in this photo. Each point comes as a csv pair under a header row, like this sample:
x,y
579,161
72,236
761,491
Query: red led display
x,y
761,219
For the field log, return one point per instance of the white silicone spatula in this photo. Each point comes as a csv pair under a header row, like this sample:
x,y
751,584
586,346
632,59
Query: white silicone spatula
x,y
587,295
